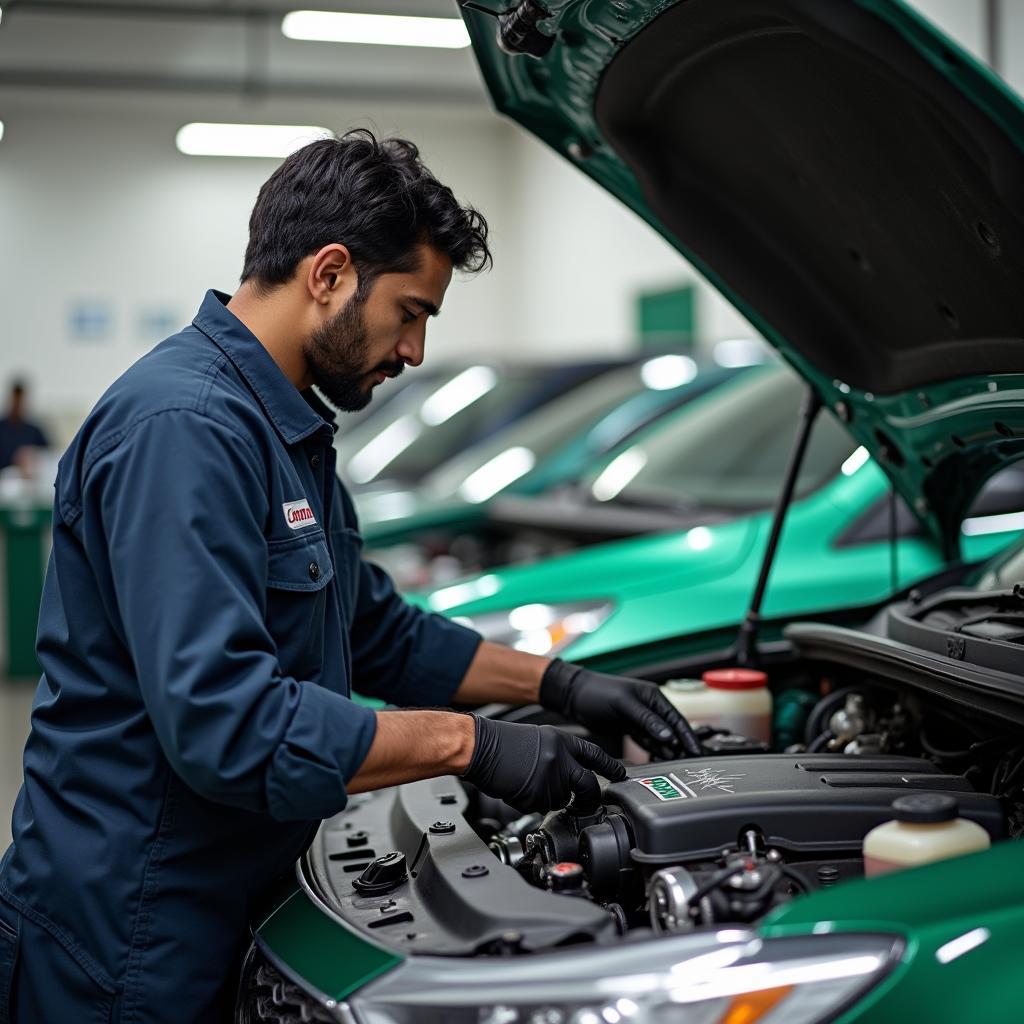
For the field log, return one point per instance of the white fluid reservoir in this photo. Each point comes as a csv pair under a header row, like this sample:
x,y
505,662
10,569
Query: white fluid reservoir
x,y
925,828
737,699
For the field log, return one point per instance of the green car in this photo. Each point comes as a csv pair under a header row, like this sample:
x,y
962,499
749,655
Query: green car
x,y
480,508
687,502
864,210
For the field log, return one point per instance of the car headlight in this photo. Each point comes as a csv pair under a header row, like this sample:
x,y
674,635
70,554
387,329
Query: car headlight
x,y
726,977
540,628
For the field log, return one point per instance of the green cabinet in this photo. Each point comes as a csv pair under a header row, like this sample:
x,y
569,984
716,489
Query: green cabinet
x,y
25,533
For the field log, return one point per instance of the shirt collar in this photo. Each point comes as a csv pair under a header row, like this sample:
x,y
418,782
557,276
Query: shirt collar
x,y
296,415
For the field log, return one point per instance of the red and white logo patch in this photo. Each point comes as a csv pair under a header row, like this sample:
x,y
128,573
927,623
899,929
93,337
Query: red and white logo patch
x,y
298,514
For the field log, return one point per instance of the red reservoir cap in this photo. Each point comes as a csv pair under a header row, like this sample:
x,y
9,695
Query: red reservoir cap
x,y
735,679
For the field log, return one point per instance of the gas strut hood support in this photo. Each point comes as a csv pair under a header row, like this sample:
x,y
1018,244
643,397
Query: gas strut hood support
x,y
746,641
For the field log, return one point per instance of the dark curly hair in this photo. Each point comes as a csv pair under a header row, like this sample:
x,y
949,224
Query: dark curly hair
x,y
375,196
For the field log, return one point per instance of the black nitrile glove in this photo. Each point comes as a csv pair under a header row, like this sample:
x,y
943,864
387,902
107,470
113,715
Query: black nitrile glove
x,y
538,767
634,706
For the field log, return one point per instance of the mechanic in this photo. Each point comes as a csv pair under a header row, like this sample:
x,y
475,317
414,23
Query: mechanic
x,y
206,612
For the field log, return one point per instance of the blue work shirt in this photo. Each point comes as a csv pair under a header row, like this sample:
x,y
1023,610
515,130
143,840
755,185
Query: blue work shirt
x,y
205,614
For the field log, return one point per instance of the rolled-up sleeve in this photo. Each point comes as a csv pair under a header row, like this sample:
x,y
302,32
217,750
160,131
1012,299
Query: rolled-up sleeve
x,y
181,502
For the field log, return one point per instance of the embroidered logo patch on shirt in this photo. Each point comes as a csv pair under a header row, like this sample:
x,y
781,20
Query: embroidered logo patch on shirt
x,y
298,514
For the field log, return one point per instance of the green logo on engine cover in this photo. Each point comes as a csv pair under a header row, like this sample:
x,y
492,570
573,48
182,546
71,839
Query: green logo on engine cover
x,y
661,786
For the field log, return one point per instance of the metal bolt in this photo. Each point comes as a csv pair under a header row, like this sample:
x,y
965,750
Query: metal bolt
x,y
442,828
828,875
475,871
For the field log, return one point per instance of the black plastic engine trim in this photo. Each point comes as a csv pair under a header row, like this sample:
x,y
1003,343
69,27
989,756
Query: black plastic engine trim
x,y
969,686
803,804
461,898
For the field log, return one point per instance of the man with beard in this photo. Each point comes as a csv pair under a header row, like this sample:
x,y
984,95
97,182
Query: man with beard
x,y
206,614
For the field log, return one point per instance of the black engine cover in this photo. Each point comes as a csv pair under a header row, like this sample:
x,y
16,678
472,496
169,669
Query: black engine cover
x,y
803,804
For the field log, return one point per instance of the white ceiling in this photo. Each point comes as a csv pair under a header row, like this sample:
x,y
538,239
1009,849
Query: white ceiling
x,y
228,47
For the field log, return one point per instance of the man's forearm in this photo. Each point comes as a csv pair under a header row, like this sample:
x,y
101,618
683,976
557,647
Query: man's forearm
x,y
501,674
411,745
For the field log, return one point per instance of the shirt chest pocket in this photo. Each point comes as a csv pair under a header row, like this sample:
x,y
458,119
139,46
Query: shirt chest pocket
x,y
299,573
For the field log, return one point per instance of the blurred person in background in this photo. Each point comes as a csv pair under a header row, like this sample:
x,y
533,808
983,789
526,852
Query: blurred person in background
x,y
19,436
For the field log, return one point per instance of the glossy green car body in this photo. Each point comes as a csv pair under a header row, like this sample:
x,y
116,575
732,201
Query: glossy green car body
x,y
675,594
690,573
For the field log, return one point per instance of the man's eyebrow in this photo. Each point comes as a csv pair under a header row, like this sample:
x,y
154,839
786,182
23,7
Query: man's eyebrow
x,y
425,304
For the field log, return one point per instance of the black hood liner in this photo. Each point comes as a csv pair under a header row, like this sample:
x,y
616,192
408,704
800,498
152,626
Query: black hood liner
x,y
835,179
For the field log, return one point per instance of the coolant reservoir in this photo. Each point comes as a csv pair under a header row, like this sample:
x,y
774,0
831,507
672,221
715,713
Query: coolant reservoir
x,y
737,699
926,828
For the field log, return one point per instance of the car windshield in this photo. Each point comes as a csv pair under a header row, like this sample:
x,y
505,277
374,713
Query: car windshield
x,y
605,409
427,424
728,450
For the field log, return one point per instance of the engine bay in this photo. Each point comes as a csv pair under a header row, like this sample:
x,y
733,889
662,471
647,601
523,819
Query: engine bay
x,y
437,867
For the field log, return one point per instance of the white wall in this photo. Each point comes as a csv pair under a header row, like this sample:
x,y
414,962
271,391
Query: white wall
x,y
96,204
583,258
964,20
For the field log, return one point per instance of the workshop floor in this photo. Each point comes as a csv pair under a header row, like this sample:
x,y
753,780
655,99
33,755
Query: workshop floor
x,y
15,704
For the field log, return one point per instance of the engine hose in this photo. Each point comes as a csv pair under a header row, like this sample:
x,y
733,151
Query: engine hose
x,y
819,744
934,751
823,710
714,882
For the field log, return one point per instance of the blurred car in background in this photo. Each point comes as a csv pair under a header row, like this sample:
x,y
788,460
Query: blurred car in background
x,y
671,529
451,523
439,414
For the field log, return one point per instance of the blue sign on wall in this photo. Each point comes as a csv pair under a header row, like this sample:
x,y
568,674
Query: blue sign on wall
x,y
90,320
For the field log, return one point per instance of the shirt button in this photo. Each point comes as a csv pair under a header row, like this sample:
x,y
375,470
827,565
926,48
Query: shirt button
x,y
314,571
315,461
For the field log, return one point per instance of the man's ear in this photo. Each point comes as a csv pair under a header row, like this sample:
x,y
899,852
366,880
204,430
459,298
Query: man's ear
x,y
332,275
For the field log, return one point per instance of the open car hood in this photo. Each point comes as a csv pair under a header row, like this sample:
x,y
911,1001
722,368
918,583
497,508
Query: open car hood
x,y
850,178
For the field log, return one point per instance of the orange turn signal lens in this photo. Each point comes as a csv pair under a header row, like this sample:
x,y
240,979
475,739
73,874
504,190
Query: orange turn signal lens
x,y
752,1006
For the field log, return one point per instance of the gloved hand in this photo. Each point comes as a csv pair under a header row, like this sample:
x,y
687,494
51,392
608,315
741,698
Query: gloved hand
x,y
634,706
538,767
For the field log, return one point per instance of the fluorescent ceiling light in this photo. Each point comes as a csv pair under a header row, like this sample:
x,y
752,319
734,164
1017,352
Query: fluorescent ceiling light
x,y
375,29
379,453
1,131
979,526
855,461
460,593
497,474
700,538
955,948
619,472
735,352
202,138
666,372
457,394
